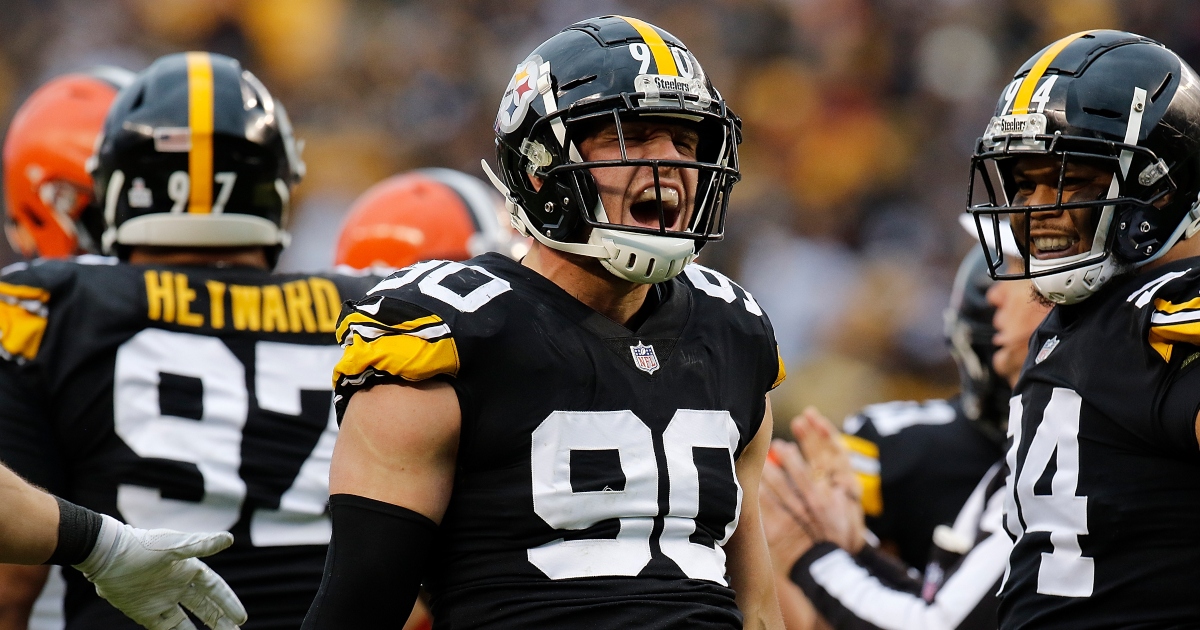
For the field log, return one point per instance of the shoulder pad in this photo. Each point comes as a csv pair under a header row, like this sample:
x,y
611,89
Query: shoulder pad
x,y
404,327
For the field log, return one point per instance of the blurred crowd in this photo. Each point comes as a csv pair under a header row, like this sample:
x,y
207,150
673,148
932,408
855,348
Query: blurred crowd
x,y
860,116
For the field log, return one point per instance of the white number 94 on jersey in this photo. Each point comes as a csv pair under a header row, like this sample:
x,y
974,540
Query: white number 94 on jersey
x,y
1065,572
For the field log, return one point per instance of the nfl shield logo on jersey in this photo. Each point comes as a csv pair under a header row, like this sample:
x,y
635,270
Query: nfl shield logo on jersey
x,y
1047,348
644,358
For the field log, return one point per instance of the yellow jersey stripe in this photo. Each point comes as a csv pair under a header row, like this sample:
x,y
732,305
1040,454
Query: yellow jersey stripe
x,y
872,485
1164,306
866,448
664,62
20,331
1025,93
200,122
359,318
779,378
872,496
1163,338
22,292
405,356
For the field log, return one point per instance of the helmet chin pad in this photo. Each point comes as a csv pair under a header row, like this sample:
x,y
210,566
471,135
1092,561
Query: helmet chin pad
x,y
1075,285
643,258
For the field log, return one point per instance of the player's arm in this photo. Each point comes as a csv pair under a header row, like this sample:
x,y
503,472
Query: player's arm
x,y
802,513
389,483
29,532
749,561
20,586
146,575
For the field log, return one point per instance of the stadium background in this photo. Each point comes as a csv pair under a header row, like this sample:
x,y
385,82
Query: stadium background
x,y
859,119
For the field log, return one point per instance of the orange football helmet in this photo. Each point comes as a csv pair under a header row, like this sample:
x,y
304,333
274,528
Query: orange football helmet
x,y
48,192
424,214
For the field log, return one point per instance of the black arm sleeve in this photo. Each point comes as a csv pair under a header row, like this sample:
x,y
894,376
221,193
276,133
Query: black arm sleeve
x,y
377,556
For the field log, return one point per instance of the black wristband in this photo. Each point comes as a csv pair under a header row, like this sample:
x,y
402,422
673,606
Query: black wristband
x,y
78,530
377,556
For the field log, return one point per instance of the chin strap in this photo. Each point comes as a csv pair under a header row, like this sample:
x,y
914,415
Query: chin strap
x,y
1194,227
522,224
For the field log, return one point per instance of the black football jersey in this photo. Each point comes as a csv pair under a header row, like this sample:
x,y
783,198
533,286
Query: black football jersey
x,y
1104,484
919,462
190,398
595,481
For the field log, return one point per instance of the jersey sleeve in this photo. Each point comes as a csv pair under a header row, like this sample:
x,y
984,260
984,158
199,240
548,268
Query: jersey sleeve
x,y
23,318
744,312
1174,334
26,437
864,459
1174,313
388,339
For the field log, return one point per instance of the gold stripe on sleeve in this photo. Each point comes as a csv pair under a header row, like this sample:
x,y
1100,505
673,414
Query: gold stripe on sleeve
x,y
406,356
20,331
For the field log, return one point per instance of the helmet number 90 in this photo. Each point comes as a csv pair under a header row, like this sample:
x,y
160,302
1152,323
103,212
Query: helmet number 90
x,y
641,52
179,189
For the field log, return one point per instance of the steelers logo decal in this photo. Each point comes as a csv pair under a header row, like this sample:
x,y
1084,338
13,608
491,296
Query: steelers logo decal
x,y
519,94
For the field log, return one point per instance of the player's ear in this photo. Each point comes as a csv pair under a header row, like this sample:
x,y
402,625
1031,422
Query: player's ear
x,y
536,182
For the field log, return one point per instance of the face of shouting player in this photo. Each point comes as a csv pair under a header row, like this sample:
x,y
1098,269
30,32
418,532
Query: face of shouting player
x,y
1057,233
628,192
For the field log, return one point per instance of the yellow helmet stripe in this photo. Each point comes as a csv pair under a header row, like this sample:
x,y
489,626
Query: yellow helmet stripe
x,y
200,121
663,61
1025,93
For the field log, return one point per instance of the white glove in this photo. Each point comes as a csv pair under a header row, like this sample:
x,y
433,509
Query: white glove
x,y
147,574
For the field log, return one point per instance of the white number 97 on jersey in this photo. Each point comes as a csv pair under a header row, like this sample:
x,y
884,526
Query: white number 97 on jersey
x,y
182,402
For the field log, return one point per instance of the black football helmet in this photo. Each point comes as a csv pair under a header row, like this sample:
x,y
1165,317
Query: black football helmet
x,y
611,69
969,332
1104,98
196,153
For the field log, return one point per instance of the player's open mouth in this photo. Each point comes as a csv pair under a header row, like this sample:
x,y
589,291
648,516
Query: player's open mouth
x,y
644,208
1055,246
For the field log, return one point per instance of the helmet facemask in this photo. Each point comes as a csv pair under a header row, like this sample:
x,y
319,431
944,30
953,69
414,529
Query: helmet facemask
x,y
673,221
613,75
1139,184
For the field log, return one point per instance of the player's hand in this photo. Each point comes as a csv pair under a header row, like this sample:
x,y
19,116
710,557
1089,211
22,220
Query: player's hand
x,y
148,574
838,503
788,525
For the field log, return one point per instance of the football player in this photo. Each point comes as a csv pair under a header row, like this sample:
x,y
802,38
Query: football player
x,y
1093,158
426,214
575,439
49,208
50,211
184,386
145,574
814,533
